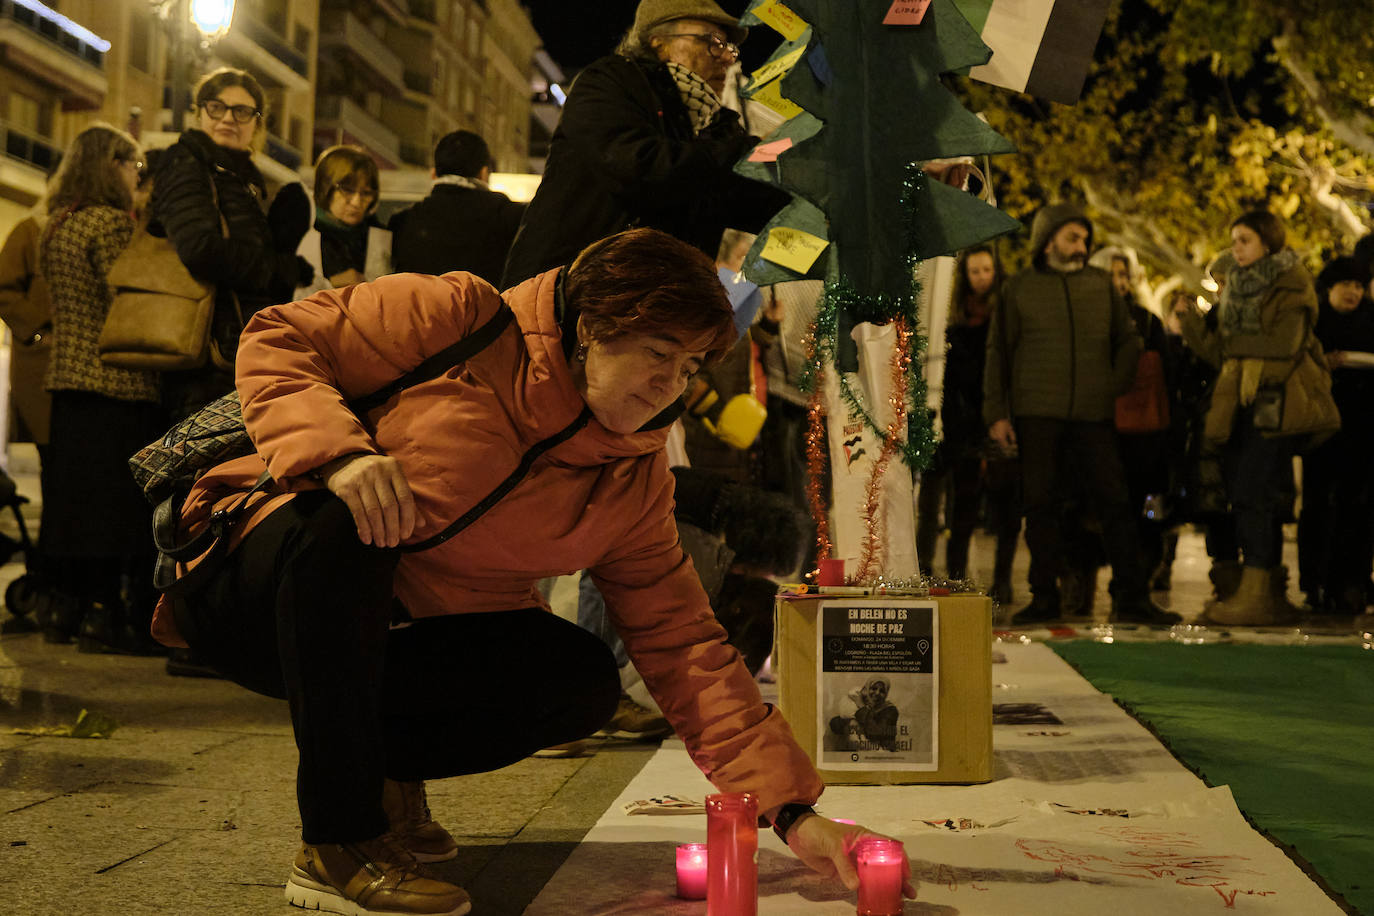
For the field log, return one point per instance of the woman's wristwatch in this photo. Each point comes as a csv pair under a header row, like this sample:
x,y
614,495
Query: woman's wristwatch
x,y
788,815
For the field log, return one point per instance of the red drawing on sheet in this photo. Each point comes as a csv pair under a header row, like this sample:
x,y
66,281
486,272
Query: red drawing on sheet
x,y
1151,854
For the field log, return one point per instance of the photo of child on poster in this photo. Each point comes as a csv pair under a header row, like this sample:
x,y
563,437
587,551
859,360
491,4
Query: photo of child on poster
x,y
877,690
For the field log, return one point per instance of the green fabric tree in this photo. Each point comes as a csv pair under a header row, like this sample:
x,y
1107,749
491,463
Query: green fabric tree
x,y
872,105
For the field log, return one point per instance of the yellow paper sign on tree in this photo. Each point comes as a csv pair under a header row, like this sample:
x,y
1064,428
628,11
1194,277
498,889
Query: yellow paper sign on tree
x,y
771,96
793,248
781,18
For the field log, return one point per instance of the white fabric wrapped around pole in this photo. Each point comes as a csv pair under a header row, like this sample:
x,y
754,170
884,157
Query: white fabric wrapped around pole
x,y
853,450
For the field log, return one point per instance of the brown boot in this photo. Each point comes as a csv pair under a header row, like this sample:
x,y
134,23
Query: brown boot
x,y
407,815
374,876
1252,605
1285,610
1225,576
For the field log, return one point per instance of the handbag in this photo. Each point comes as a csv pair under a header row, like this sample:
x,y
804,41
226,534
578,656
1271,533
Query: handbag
x,y
1145,407
166,469
161,315
1300,403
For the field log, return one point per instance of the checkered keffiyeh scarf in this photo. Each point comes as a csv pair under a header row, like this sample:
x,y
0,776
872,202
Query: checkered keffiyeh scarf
x,y
701,100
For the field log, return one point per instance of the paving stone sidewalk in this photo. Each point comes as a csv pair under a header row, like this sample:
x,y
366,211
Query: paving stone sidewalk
x,y
189,805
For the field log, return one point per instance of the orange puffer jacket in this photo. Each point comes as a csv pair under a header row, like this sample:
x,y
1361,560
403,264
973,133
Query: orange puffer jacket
x,y
599,500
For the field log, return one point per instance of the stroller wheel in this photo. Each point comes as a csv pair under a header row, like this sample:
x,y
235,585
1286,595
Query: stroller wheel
x,y
23,595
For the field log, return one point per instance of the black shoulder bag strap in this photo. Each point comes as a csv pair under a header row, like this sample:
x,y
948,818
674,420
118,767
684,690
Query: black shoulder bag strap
x,y
212,542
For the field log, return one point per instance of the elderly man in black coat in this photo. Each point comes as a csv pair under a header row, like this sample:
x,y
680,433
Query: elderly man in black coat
x,y
644,141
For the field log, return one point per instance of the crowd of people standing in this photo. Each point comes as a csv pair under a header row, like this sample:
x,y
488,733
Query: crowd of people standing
x,y
390,569
1127,425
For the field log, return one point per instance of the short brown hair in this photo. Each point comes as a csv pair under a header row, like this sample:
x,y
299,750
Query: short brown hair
x,y
1267,226
211,83
89,173
645,282
337,165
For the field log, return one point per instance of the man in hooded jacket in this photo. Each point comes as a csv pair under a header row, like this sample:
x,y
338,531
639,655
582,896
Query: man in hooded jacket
x,y
1061,348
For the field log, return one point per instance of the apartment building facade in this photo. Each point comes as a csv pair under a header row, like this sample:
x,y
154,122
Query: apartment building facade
x,y
396,75
67,63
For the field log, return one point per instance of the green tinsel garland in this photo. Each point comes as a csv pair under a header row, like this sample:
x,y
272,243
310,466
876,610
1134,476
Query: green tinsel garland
x,y
840,295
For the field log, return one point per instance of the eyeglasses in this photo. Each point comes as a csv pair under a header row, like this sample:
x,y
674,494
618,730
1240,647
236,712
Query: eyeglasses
x,y
714,45
366,195
242,113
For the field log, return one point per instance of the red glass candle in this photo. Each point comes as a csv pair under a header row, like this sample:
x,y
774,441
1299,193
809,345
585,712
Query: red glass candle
x,y
879,863
830,572
691,871
732,850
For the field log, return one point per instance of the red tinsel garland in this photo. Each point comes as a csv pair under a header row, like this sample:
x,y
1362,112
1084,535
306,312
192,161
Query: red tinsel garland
x,y
896,434
816,454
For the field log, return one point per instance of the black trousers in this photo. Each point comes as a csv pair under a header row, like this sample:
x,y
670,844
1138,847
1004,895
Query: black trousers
x,y
303,611
960,484
1258,471
1062,456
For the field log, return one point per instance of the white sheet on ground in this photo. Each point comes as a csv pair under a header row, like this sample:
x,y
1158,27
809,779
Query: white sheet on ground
x,y
1090,814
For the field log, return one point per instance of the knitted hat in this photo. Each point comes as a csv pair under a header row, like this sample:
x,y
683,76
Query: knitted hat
x,y
1341,270
655,12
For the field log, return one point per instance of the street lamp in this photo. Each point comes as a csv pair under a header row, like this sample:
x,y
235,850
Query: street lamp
x,y
212,17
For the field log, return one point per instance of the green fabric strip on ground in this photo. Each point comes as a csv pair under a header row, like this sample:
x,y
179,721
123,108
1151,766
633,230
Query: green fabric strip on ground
x,y
1290,730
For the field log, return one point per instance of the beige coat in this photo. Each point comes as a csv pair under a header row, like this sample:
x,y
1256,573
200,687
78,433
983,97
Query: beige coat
x,y
26,308
1284,352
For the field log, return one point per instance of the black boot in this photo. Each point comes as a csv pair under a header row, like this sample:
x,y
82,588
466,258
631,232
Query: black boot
x,y
1079,588
59,616
1042,608
107,628
1141,609
185,663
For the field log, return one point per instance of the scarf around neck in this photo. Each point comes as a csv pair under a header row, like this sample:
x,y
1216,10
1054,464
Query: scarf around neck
x,y
701,100
461,181
1246,288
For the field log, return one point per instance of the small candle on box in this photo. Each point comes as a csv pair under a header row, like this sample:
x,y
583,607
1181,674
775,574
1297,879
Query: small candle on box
x,y
691,871
879,862
830,572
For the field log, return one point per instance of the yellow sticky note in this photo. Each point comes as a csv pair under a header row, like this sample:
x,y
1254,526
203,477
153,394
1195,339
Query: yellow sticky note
x,y
793,249
781,18
771,95
775,68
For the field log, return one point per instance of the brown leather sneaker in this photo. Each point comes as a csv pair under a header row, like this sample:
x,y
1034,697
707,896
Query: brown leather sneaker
x,y
374,876
407,814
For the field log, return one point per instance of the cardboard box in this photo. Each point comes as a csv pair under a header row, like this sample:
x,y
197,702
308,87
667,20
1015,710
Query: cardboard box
x,y
931,657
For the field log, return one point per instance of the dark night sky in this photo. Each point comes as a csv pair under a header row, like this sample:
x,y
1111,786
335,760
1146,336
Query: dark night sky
x,y
575,34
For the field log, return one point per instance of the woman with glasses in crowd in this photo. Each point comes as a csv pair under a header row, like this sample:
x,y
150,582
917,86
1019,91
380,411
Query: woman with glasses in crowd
x,y
348,245
211,200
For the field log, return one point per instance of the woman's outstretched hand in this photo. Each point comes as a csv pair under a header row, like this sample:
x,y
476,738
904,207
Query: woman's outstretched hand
x,y
376,492
827,847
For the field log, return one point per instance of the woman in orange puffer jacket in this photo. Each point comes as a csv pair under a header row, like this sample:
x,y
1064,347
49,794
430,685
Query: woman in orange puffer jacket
x,y
388,581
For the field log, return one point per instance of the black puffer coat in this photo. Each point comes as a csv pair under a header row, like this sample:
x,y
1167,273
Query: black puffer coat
x,y
624,156
249,262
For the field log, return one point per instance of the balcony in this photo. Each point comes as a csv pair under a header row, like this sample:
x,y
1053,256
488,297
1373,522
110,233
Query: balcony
x,y
274,43
347,33
37,151
338,119
258,49
55,51
283,152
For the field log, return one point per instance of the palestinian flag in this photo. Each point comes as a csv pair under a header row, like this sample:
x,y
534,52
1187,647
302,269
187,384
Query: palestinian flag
x,y
1040,47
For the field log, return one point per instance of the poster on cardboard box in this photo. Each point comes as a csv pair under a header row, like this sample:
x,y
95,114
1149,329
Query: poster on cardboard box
x,y
877,691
